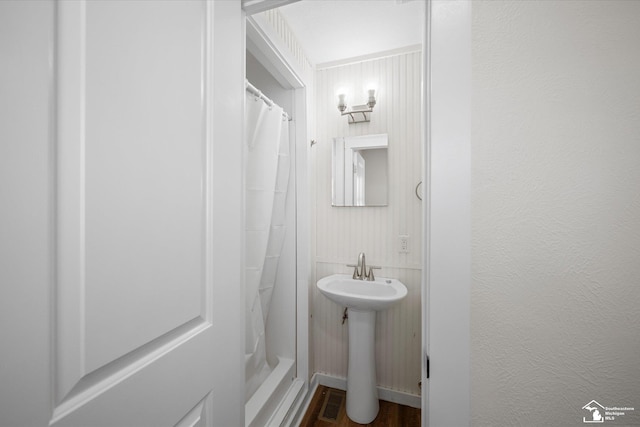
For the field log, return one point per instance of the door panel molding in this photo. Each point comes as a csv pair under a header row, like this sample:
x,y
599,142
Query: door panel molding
x,y
70,215
199,415
144,201
180,371
163,388
82,381
102,379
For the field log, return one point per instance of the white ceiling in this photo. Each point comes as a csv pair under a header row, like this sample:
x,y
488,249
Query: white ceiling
x,y
333,30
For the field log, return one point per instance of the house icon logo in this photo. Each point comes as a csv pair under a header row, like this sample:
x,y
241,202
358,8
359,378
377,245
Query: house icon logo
x,y
595,412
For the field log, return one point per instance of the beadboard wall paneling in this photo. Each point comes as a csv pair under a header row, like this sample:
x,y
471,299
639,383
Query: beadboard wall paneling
x,y
282,28
342,232
398,333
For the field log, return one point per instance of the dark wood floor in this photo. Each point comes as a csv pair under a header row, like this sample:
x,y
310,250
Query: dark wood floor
x,y
390,415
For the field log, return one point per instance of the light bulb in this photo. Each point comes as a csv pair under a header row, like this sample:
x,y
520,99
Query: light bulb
x,y
342,105
371,102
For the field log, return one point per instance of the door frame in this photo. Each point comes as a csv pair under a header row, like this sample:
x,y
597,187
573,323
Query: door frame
x,y
447,215
446,280
273,55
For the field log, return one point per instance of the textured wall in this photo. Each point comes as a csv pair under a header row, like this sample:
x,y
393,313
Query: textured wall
x,y
342,232
555,316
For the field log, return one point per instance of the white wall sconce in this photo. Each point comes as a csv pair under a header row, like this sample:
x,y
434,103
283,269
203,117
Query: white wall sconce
x,y
358,113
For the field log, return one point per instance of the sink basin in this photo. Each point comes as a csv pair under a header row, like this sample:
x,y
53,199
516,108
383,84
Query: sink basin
x,y
376,295
363,298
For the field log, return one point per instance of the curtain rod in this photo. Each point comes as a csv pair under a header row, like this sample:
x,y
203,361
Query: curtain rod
x,y
255,91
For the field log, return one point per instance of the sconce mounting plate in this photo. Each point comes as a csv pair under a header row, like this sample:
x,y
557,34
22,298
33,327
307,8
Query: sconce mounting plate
x,y
359,114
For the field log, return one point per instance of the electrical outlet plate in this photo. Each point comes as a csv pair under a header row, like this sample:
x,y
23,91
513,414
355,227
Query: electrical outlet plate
x,y
403,244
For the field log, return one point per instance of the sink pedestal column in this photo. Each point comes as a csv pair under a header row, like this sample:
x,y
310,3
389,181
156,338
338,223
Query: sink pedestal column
x,y
362,393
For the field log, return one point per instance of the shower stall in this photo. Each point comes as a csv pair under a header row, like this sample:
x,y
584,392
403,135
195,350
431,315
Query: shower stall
x,y
267,167
276,246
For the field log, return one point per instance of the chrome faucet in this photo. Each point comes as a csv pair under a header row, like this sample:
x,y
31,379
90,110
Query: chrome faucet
x,y
362,267
360,270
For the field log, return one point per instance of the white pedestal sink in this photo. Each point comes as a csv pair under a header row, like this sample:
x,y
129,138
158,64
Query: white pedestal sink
x,y
363,298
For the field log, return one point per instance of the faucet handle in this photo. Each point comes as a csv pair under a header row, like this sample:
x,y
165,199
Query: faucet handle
x,y
370,276
355,270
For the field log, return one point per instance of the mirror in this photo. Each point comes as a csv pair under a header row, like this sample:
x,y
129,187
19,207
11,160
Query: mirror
x,y
360,171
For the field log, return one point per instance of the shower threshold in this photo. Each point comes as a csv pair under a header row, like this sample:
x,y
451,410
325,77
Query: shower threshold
x,y
269,396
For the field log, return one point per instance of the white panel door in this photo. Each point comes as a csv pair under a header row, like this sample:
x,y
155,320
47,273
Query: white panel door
x,y
134,296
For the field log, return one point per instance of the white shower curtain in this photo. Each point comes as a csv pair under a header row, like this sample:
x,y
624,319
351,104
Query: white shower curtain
x,y
266,181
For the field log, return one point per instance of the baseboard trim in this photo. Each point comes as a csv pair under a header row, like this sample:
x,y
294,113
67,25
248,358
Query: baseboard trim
x,y
339,383
386,394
